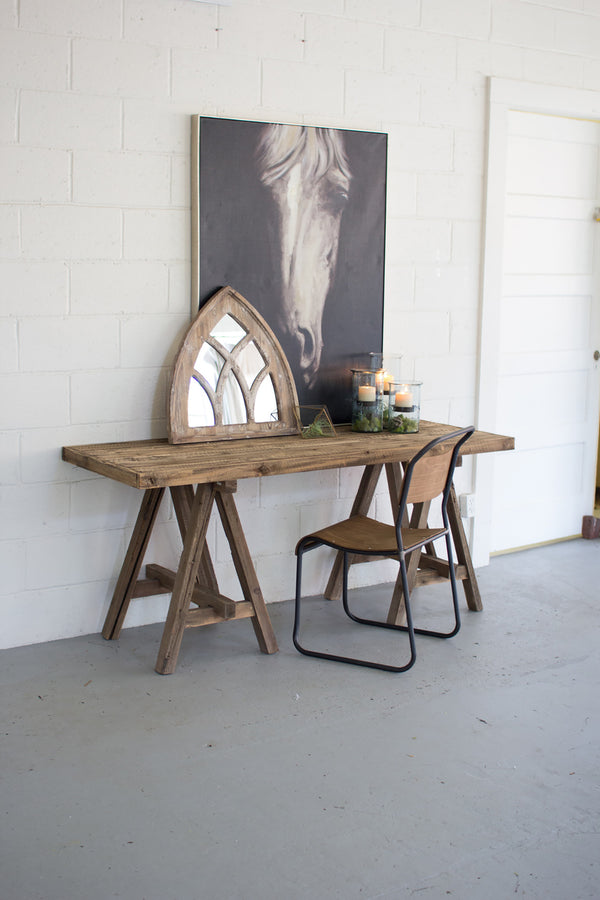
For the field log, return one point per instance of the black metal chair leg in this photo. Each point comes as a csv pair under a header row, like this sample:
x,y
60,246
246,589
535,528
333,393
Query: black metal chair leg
x,y
447,634
348,659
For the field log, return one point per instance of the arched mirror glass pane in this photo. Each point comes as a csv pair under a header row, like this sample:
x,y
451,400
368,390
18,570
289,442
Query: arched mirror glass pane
x,y
209,363
234,407
200,411
250,362
228,332
265,408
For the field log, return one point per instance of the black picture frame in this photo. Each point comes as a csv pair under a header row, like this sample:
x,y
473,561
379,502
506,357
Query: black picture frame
x,y
236,241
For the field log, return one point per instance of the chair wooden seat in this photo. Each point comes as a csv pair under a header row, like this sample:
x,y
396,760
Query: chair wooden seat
x,y
427,476
361,534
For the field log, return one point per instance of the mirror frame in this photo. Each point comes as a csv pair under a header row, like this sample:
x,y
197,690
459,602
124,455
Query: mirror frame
x,y
228,301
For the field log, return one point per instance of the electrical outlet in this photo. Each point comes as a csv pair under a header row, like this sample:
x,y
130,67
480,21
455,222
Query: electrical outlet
x,y
467,505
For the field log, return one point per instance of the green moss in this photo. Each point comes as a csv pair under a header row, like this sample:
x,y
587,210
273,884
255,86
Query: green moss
x,y
403,425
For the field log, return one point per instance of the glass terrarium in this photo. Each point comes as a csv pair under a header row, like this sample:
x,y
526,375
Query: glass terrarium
x,y
404,407
367,400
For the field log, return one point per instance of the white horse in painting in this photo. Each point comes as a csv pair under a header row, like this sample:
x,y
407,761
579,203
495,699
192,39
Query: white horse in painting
x,y
307,171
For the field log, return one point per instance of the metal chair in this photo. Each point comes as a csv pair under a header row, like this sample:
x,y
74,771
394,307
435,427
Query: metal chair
x,y
428,475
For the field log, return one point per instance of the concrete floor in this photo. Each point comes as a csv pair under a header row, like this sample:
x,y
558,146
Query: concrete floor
x,y
474,775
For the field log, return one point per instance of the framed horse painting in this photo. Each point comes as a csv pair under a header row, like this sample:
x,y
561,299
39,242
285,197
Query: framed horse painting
x,y
293,217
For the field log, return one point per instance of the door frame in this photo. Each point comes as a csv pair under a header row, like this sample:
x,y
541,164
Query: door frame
x,y
505,95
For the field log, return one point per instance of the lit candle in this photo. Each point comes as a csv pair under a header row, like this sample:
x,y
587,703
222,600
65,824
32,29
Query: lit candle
x,y
366,393
404,398
387,379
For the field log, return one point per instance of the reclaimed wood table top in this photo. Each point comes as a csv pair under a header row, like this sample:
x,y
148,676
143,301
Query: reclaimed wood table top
x,y
157,463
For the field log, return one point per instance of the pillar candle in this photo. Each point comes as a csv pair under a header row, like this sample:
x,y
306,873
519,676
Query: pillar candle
x,y
403,398
366,393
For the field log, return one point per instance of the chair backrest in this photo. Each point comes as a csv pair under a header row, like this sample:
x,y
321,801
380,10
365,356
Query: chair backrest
x,y
429,477
430,472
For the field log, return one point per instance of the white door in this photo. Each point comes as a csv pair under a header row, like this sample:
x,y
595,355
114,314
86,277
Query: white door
x,y
547,385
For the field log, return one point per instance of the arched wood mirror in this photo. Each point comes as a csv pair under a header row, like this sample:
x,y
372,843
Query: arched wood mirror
x,y
231,377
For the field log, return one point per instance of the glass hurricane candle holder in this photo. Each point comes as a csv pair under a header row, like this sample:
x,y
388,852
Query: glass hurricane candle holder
x,y
390,372
404,407
367,401
375,361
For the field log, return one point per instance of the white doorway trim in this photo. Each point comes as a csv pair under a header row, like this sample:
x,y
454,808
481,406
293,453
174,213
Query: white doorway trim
x,y
505,95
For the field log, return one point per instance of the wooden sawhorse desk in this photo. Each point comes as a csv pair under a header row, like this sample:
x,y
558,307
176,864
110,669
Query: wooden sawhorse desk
x,y
201,476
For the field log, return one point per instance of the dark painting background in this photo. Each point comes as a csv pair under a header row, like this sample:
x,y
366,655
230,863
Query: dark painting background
x,y
238,245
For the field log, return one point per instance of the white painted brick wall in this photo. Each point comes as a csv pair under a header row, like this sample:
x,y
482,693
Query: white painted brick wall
x,y
101,18
284,490
419,53
148,340
9,234
118,394
280,37
317,90
577,33
8,15
156,234
53,344
352,44
125,179
372,95
95,105
46,615
469,18
10,346
36,61
30,510
150,127
13,561
70,232
419,240
448,196
118,287
71,558
524,24
591,74
180,24
9,457
30,400
8,114
116,505
212,80
69,121
33,175
33,288
388,12
420,148
120,68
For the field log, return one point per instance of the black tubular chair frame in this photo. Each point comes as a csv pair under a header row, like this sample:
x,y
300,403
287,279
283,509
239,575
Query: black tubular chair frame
x,y
312,541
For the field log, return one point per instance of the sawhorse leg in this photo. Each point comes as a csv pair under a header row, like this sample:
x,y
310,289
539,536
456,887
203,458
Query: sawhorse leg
x,y
195,581
463,554
185,579
193,557
130,570
246,573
